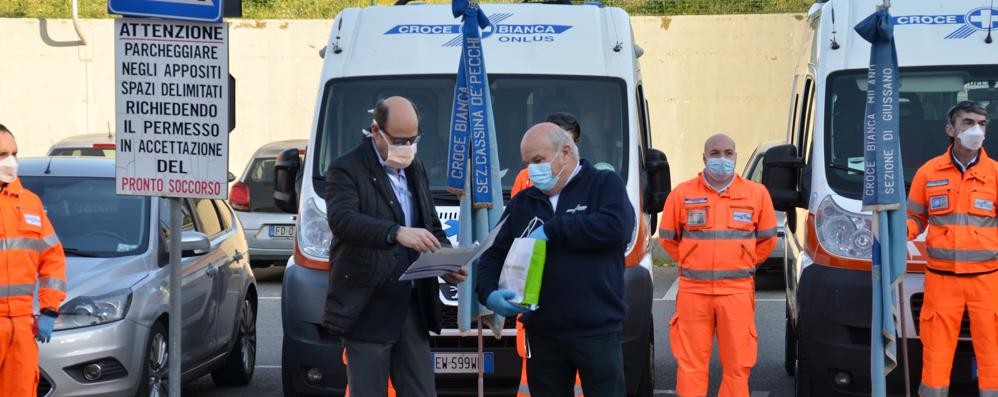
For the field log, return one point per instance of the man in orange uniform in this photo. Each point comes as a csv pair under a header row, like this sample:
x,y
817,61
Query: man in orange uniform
x,y
567,122
953,195
30,254
718,227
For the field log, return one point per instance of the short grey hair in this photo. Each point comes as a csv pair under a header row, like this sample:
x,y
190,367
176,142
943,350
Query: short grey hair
x,y
559,137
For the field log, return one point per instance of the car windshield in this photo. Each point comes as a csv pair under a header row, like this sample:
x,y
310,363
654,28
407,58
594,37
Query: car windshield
x,y
926,94
89,218
518,102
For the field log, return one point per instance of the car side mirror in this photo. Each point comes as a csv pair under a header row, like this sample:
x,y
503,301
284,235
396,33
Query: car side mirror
x,y
231,177
286,169
781,174
659,181
193,244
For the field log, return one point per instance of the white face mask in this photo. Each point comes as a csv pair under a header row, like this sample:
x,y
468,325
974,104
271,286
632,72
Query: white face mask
x,y
971,138
8,169
400,156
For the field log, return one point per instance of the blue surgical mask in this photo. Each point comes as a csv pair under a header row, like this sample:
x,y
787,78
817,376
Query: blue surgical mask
x,y
542,176
720,168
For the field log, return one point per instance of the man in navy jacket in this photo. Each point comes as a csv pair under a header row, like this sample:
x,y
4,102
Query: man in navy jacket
x,y
588,222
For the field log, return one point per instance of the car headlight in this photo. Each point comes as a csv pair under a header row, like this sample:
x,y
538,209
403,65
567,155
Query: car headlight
x,y
844,233
85,311
314,235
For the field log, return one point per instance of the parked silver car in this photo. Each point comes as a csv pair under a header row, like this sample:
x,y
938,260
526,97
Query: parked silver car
x,y
269,230
89,145
111,335
753,172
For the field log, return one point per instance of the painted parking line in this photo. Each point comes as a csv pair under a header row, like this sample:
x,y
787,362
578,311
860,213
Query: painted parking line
x,y
268,367
267,298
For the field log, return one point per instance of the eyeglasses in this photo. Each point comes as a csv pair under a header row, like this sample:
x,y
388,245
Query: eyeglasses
x,y
394,140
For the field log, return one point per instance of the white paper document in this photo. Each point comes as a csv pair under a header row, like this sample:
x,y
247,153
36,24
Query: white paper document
x,y
449,260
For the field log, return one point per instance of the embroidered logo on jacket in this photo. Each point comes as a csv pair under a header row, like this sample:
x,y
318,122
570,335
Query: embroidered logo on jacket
x,y
937,182
578,208
742,216
33,220
983,204
695,200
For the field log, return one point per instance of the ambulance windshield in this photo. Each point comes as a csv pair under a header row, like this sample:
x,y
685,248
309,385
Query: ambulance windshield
x,y
518,102
926,95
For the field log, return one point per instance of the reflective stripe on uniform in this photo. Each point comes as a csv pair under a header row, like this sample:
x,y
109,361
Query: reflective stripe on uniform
x,y
989,393
962,255
766,233
919,223
27,243
917,208
963,220
53,283
16,290
51,240
927,391
716,274
718,234
666,234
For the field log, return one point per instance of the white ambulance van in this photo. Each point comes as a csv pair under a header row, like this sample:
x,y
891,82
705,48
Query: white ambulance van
x,y
945,56
541,59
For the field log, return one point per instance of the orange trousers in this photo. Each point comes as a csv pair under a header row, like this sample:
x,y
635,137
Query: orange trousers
x,y
521,349
18,357
946,297
698,318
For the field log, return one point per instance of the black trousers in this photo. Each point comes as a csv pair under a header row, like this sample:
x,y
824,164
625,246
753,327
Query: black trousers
x,y
552,364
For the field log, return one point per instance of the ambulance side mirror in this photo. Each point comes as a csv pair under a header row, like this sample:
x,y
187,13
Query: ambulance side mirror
x,y
781,174
659,181
286,169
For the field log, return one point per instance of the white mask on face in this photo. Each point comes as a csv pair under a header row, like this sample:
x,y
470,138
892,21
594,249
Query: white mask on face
x,y
8,169
971,138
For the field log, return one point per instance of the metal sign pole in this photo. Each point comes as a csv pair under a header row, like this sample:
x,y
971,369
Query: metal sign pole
x,y
174,354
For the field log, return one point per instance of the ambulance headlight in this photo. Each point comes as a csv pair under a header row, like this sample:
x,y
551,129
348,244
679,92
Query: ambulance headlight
x,y
314,236
843,233
85,311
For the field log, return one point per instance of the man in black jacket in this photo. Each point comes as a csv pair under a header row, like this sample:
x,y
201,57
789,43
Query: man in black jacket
x,y
588,222
382,217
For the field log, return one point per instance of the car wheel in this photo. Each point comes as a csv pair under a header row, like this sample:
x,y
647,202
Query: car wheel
x,y
803,383
789,346
238,368
155,368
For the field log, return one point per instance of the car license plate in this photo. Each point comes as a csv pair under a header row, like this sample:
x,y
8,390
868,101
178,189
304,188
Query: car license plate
x,y
282,231
460,363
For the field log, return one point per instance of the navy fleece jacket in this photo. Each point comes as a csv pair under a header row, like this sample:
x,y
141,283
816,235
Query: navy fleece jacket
x,y
582,293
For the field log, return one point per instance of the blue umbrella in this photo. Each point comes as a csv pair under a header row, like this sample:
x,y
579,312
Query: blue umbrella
x,y
884,193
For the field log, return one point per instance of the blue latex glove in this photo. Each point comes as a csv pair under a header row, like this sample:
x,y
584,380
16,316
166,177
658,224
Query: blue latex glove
x,y
45,325
498,301
539,234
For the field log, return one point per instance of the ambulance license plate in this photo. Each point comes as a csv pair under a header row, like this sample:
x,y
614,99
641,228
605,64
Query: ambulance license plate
x,y
282,231
461,363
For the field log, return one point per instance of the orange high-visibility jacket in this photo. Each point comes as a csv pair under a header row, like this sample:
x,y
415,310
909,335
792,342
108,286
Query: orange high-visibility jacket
x,y
959,211
718,239
30,252
521,183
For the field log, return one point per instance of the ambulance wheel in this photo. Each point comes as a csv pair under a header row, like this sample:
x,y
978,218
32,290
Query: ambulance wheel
x,y
803,383
647,384
789,346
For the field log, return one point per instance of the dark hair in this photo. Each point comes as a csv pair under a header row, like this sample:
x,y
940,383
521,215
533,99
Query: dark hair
x,y
567,122
967,107
4,130
381,112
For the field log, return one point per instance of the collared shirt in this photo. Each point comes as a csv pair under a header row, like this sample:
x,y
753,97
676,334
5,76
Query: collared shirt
x,y
959,165
554,198
400,185
718,190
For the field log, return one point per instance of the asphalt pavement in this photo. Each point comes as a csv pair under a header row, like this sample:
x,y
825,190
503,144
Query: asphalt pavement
x,y
768,378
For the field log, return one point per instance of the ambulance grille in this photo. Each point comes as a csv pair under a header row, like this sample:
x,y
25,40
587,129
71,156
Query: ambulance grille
x,y
448,319
916,310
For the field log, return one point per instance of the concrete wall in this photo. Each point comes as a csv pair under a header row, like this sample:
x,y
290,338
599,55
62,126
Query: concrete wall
x,y
702,75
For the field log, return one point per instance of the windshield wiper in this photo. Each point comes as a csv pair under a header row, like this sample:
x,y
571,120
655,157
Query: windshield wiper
x,y
80,253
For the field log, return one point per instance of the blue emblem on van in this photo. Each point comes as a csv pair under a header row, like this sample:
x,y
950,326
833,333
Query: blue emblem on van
x,y
976,20
505,33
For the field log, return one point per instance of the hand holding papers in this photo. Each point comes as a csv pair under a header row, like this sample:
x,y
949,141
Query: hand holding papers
x,y
448,260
